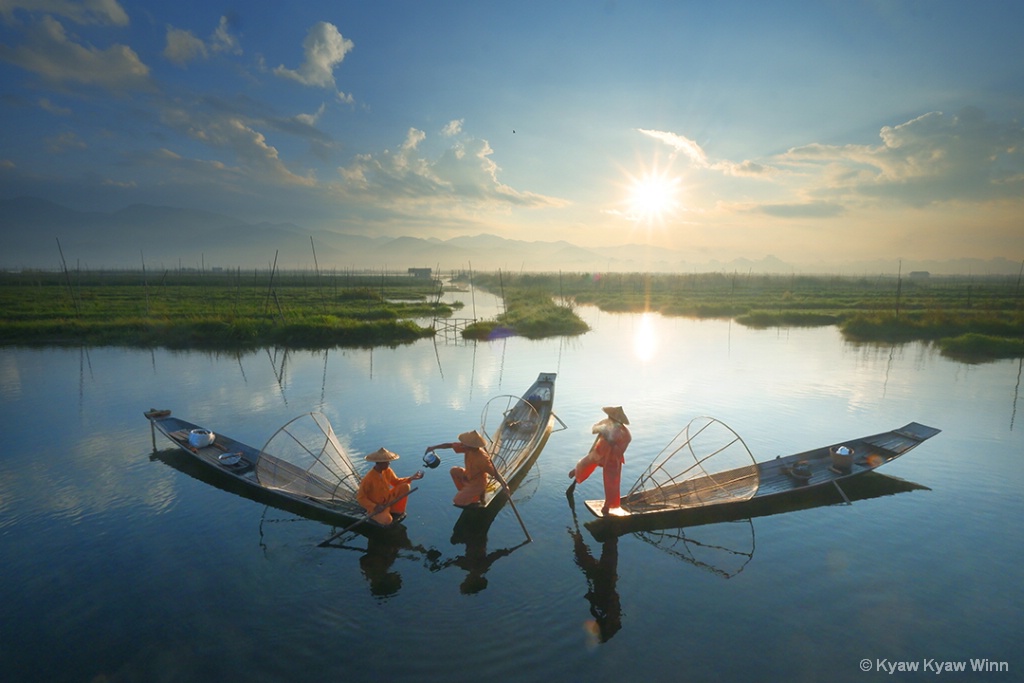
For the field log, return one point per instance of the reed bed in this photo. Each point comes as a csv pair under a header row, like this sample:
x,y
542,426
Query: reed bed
x,y
182,309
973,318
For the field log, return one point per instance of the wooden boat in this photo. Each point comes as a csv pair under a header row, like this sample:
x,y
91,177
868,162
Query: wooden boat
x,y
302,468
523,425
521,430
689,473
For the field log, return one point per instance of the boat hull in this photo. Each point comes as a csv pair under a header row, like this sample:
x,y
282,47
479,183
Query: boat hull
x,y
789,475
243,472
515,462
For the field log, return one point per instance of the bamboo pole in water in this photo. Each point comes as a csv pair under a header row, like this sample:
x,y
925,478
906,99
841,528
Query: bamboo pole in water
x,y
67,278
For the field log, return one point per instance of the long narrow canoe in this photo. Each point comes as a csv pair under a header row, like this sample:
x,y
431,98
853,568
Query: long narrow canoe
x,y
320,482
525,424
663,488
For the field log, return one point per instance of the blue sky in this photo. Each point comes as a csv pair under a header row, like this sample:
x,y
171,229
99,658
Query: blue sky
x,y
799,129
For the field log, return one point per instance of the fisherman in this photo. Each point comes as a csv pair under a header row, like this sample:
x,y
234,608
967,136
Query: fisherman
x,y
382,492
471,480
608,452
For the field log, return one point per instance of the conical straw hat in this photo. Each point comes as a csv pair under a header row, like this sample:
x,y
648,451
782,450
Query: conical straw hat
x,y
382,455
473,439
615,413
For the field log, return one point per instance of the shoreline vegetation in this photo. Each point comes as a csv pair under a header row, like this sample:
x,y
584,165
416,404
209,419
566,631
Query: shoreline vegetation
x,y
215,310
973,319
969,318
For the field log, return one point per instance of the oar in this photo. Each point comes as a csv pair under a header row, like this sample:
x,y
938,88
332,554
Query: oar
x,y
508,491
360,521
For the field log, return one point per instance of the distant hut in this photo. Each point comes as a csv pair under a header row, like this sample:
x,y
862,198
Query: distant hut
x,y
424,273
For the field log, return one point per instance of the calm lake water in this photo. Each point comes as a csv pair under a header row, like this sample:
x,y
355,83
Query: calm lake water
x,y
121,565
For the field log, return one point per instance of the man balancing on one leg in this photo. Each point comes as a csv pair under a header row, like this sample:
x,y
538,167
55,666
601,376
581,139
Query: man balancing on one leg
x,y
382,492
608,452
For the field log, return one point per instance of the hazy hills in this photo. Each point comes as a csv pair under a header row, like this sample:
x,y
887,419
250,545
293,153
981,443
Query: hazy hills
x,y
171,237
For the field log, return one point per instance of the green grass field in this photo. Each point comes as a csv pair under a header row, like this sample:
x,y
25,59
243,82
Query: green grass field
x,y
214,310
971,318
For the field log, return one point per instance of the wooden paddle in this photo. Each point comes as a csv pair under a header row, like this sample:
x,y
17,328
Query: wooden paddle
x,y
508,491
361,520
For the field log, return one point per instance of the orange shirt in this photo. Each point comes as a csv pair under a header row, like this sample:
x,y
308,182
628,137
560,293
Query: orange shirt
x,y
478,463
611,447
376,488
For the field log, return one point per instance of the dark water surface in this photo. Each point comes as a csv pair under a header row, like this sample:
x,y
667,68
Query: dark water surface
x,y
122,565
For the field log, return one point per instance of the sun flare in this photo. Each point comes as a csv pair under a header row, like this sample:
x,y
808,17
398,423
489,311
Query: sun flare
x,y
653,196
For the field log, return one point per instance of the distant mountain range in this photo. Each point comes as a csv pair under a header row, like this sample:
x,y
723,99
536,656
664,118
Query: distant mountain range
x,y
164,237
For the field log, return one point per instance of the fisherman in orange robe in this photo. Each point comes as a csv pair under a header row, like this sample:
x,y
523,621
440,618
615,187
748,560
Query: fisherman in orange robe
x,y
381,491
608,452
471,480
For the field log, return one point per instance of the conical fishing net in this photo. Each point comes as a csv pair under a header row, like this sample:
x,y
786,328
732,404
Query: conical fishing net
x,y
510,424
706,463
304,458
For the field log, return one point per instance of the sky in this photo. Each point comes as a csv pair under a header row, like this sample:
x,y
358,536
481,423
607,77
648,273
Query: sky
x,y
804,130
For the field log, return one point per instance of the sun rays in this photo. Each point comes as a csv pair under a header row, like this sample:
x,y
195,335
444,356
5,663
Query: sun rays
x,y
653,197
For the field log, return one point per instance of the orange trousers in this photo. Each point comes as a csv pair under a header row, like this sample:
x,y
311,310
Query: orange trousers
x,y
612,472
387,515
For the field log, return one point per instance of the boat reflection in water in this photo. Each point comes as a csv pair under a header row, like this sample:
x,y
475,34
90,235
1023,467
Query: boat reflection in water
x,y
383,545
471,530
717,539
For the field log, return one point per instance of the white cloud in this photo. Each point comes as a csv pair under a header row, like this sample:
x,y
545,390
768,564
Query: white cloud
x,y
50,53
80,11
699,158
462,176
257,158
311,119
679,143
222,40
324,48
453,128
933,158
183,47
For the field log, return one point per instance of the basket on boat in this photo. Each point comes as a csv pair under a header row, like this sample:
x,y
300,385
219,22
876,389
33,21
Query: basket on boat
x,y
200,438
801,471
842,458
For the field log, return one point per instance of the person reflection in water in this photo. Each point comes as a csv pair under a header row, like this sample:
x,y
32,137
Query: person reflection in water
x,y
476,561
602,575
376,567
608,452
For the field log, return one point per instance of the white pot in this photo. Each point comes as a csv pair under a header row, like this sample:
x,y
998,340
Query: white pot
x,y
200,438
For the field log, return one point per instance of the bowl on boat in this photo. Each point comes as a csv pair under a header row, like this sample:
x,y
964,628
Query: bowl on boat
x,y
229,458
200,438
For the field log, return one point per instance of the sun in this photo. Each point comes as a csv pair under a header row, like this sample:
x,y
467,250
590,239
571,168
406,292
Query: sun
x,y
653,196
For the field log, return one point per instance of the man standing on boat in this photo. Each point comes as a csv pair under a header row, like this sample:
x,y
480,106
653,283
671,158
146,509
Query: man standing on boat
x,y
382,492
608,452
471,480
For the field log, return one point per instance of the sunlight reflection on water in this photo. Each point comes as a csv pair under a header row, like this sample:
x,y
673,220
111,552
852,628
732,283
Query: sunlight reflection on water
x,y
143,547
